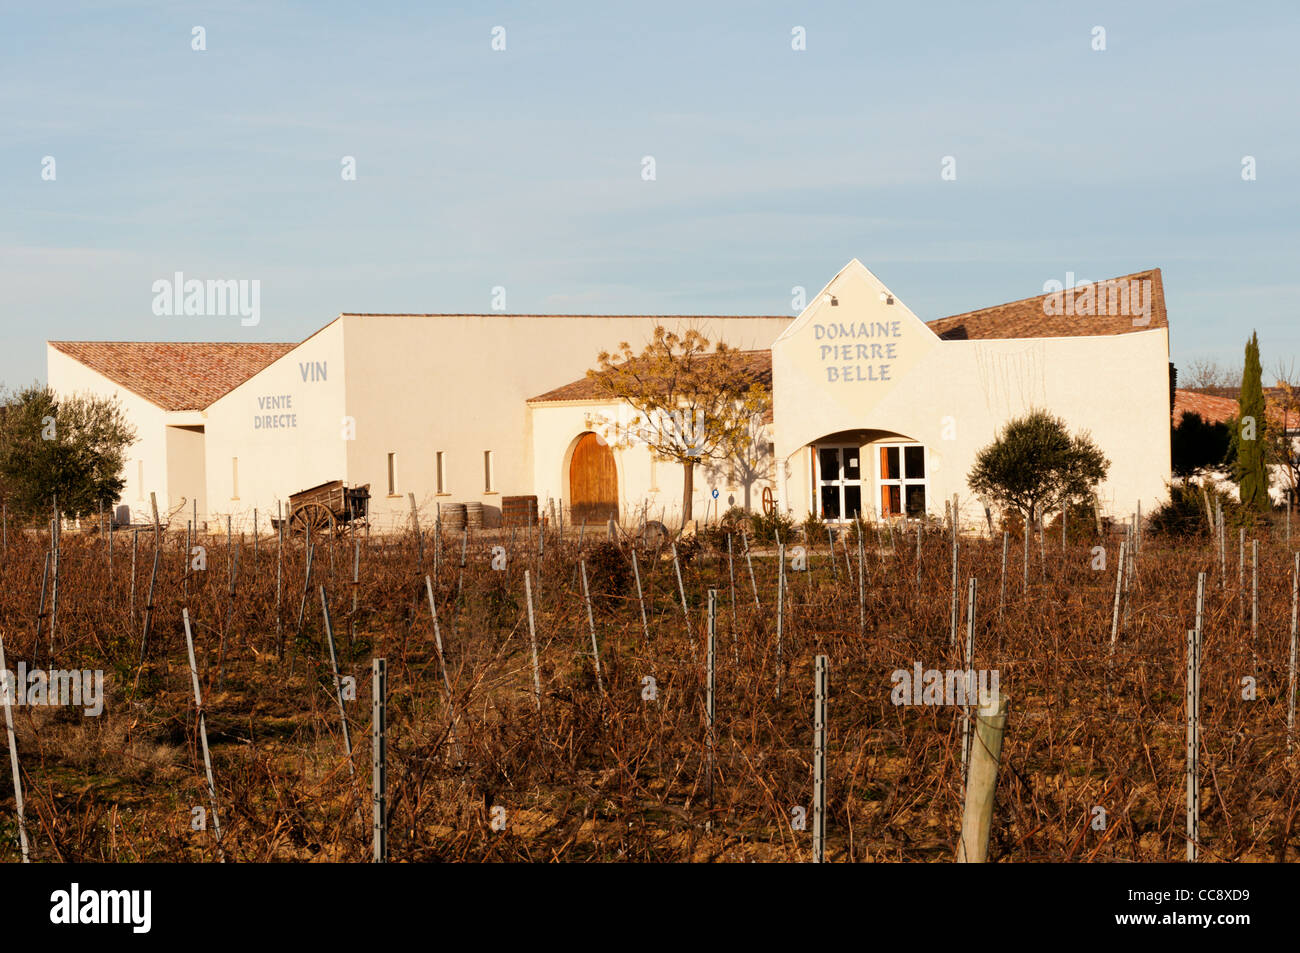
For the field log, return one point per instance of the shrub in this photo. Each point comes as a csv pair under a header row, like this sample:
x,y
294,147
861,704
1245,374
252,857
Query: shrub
x,y
814,527
1080,526
609,573
734,517
688,547
764,529
1198,447
1184,513
716,536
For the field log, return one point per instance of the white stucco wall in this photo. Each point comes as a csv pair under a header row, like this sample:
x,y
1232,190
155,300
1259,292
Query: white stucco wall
x,y
648,489
304,448
954,396
186,473
417,384
146,460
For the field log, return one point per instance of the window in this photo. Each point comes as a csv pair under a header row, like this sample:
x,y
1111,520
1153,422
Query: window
x,y
392,474
234,478
902,480
440,462
489,481
838,482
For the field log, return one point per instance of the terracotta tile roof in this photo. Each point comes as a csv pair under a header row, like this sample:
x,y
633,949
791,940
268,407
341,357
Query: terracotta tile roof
x,y
173,375
1029,317
757,368
1217,410
1213,410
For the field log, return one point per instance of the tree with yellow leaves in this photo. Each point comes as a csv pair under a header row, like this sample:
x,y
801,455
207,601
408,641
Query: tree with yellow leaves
x,y
692,404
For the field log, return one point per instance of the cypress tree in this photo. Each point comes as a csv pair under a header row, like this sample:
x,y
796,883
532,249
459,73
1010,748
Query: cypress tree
x,y
1251,467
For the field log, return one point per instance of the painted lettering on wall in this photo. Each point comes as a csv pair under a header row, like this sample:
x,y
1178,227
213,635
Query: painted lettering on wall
x,y
862,350
279,421
312,370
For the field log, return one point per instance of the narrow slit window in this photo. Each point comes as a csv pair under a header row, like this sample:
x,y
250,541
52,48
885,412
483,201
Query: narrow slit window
x,y
441,467
489,484
392,474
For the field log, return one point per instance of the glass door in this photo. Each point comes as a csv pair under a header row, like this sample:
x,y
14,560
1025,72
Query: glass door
x,y
901,478
839,483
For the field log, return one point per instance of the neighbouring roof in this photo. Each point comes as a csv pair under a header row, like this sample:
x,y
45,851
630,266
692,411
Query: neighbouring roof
x,y
175,375
1216,410
1029,317
1213,410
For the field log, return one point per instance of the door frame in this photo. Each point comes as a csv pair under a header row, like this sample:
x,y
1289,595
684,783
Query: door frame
x,y
903,481
842,483
566,474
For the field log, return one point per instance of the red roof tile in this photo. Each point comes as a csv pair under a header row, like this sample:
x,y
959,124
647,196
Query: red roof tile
x,y
1213,410
1216,410
175,376
757,369
1029,317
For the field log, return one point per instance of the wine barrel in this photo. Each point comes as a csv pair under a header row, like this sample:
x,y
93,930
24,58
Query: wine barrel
x,y
453,517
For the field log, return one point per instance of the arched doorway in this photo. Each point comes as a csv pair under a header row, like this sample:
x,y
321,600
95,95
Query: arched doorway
x,y
593,481
869,474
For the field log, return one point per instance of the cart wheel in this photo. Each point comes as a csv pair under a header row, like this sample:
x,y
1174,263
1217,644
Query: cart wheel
x,y
652,534
769,502
312,518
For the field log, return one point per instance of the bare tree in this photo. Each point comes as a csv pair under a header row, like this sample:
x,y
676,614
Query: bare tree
x,y
1285,398
1209,376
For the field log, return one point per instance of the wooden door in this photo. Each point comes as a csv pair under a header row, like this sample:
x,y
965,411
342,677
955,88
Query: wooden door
x,y
593,482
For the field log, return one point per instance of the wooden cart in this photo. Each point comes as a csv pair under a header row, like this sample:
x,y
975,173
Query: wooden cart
x,y
329,507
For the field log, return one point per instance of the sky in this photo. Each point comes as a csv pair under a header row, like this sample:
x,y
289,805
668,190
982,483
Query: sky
x,y
524,168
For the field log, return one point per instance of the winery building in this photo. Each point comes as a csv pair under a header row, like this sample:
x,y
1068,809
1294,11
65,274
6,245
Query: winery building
x,y
875,411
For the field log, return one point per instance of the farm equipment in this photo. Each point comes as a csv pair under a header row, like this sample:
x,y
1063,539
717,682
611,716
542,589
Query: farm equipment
x,y
329,507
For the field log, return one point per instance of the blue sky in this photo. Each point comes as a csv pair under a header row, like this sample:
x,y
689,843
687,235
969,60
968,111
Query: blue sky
x,y
522,169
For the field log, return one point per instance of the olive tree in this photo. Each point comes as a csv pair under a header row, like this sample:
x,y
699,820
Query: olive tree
x,y
69,449
1035,465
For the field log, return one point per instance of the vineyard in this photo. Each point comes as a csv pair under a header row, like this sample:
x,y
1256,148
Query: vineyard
x,y
613,759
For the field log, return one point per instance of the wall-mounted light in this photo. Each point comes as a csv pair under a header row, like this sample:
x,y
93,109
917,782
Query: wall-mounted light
x,y
886,297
